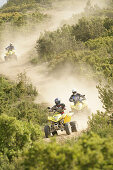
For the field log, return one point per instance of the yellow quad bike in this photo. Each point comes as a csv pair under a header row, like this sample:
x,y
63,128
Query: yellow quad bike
x,y
60,122
79,106
10,55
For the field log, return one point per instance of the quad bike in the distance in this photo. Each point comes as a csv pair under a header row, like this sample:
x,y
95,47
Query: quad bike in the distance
x,y
60,122
80,105
10,55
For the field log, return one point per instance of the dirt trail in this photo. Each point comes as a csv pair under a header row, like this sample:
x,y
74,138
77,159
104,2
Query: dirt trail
x,y
62,137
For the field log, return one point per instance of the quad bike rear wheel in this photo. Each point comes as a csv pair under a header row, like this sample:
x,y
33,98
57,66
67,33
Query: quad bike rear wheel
x,y
73,126
47,131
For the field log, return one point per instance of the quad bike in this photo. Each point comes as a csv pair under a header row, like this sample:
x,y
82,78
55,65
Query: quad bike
x,y
10,55
60,122
80,105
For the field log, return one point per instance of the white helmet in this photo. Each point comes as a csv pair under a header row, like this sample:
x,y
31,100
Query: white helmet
x,y
74,91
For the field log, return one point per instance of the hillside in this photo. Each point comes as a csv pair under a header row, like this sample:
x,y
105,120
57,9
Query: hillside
x,y
60,45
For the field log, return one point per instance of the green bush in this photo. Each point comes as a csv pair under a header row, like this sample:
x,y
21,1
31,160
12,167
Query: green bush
x,y
16,100
10,93
19,8
88,29
21,19
28,111
100,124
101,43
60,47
106,96
53,43
96,54
89,152
15,135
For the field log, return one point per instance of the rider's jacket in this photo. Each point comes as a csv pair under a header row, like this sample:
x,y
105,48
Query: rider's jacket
x,y
10,48
75,98
59,108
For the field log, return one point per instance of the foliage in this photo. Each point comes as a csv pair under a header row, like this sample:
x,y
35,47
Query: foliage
x,y
20,12
21,2
15,135
11,93
17,100
4,162
90,152
100,124
20,8
61,46
52,43
88,29
106,96
97,55
20,19
28,111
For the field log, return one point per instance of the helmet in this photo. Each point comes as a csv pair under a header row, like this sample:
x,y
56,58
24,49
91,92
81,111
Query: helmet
x,y
74,91
57,101
11,44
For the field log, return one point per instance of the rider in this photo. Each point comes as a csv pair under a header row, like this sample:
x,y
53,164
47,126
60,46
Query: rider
x,y
59,107
75,97
10,47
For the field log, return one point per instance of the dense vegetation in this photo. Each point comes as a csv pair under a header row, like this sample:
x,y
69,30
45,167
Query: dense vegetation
x,y
16,99
20,118
18,13
89,43
90,152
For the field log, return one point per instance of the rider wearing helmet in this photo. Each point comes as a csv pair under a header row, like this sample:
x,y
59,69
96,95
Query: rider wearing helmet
x,y
75,97
10,47
59,107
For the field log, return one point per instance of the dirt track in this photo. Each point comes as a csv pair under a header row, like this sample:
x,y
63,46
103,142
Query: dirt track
x,y
62,137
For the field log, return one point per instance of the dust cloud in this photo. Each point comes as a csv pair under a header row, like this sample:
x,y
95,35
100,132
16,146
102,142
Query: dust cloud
x,y
61,85
49,86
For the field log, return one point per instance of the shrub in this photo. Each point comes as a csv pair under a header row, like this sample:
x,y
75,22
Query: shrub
x,y
100,124
90,152
15,135
28,111
88,29
106,96
53,43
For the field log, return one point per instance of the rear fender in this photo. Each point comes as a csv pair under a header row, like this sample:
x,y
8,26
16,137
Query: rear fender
x,y
67,119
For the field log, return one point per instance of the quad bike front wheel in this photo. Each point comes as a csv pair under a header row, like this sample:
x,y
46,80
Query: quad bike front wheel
x,y
68,128
47,131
